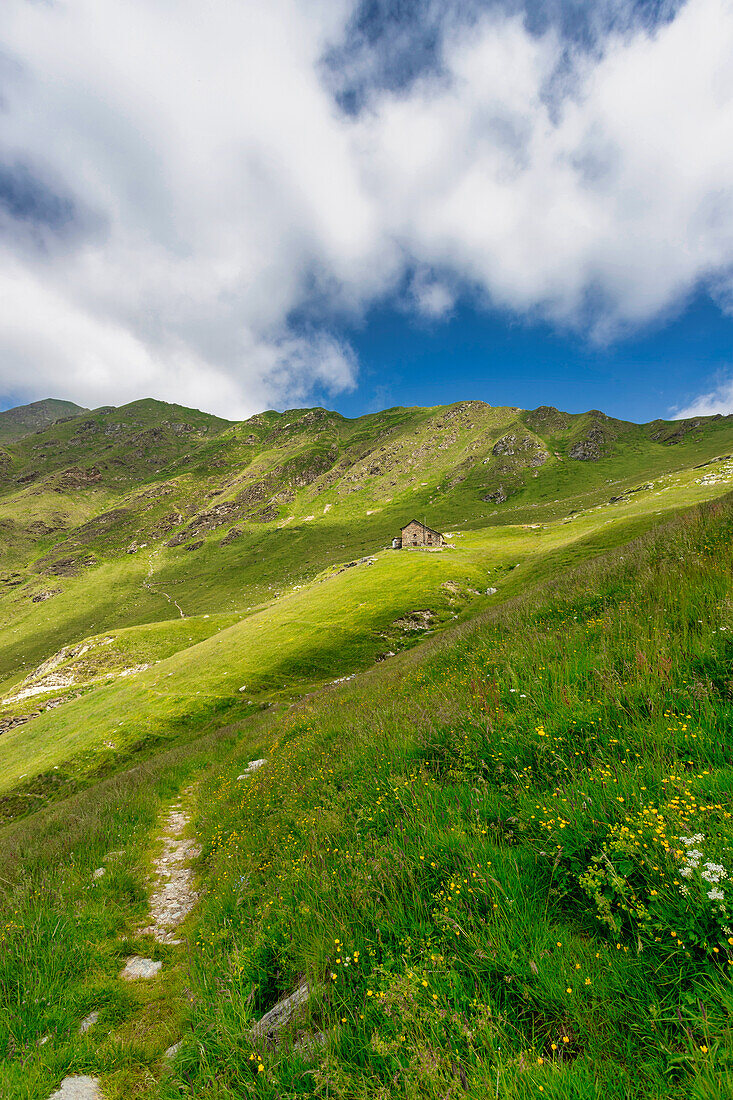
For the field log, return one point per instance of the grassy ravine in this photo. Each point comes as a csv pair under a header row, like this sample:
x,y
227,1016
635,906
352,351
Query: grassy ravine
x,y
472,852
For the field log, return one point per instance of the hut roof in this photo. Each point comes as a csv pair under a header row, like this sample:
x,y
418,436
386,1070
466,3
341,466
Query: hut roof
x,y
424,527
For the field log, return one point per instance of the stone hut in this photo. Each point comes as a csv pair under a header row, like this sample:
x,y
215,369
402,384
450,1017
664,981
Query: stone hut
x,y
417,534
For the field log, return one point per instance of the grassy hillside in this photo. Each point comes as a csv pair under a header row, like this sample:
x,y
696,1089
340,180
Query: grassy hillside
x,y
25,419
485,861
103,514
481,854
137,687
482,760
132,522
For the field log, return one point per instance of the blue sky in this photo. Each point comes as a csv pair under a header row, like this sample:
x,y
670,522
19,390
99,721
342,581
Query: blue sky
x,y
487,356
362,203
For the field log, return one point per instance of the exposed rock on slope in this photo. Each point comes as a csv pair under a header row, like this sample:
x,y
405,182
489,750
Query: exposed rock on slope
x,y
547,420
522,446
597,439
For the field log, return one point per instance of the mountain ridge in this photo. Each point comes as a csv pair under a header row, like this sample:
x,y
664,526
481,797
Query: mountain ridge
x,y
22,420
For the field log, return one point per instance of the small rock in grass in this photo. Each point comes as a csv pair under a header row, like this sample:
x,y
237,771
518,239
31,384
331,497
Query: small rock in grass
x,y
491,591
172,1051
272,1023
88,1021
309,1043
99,872
137,967
251,767
78,1088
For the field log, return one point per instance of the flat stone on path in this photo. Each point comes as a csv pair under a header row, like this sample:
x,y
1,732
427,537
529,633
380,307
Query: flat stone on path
x,y
137,967
88,1021
78,1088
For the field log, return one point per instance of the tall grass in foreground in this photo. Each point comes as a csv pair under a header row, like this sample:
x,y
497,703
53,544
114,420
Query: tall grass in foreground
x,y
503,866
65,933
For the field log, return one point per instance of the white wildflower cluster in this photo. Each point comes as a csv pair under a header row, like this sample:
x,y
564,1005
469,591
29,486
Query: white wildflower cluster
x,y
712,873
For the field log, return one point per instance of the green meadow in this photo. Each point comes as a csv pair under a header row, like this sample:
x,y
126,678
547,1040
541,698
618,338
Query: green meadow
x,y
493,831
308,635
474,853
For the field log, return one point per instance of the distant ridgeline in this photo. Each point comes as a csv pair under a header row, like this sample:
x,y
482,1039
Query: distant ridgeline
x,y
152,513
77,487
25,419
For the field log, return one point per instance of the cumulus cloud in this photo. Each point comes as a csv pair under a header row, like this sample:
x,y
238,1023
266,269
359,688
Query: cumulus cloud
x,y
224,187
179,182
718,400
597,194
430,295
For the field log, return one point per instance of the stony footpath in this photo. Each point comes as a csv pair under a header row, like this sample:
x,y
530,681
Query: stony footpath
x,y
78,1088
172,898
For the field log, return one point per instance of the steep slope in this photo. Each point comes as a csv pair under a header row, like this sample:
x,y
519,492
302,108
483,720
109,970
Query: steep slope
x,y
24,419
108,695
497,864
153,514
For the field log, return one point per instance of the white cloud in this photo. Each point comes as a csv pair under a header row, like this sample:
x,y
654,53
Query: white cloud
x,y
718,400
431,296
598,199
224,184
220,189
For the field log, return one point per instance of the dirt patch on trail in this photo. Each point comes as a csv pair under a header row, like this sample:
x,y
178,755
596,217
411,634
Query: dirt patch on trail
x,y
174,895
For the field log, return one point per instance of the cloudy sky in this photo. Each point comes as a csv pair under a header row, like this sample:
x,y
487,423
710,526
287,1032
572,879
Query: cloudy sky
x,y
237,205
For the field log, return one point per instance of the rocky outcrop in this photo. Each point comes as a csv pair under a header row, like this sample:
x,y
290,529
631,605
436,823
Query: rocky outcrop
x,y
11,580
285,1012
597,440
102,525
205,521
515,444
46,594
166,524
64,567
593,445
547,420
25,479
496,496
629,492
75,478
670,434
39,529
415,621
587,450
231,536
318,418
12,720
